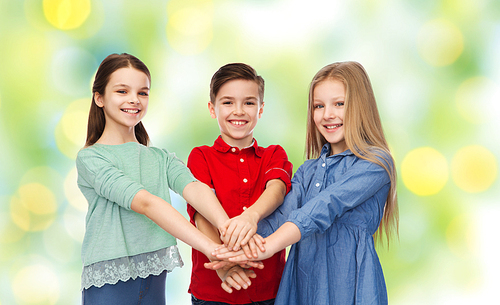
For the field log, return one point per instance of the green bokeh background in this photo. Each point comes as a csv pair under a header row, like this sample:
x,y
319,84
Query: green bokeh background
x,y
435,70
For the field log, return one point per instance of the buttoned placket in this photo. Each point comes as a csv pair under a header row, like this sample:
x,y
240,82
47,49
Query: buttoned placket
x,y
244,174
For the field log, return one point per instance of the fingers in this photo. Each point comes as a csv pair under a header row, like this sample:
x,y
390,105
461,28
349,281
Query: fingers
x,y
259,241
246,237
252,264
253,248
227,255
248,251
226,287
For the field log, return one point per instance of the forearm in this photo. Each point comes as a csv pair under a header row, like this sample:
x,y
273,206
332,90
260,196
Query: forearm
x,y
286,235
203,199
269,200
206,228
170,220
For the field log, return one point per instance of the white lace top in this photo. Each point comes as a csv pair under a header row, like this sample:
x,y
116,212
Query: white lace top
x,y
131,267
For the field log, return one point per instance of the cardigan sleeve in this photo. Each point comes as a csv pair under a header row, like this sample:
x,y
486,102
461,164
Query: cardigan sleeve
x,y
178,175
97,175
360,182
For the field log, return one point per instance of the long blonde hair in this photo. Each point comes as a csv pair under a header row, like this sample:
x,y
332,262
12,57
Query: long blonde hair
x,y
363,131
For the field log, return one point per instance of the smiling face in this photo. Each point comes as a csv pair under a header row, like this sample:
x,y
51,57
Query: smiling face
x,y
237,109
125,100
328,105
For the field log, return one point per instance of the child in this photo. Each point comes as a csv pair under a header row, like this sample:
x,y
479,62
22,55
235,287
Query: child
x,y
126,252
250,182
338,199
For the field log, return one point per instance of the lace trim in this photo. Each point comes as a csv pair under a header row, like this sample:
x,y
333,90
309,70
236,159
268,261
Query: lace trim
x,y
131,267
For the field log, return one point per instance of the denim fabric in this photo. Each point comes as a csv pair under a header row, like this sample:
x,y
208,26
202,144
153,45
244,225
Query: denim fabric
x,y
195,301
147,291
337,202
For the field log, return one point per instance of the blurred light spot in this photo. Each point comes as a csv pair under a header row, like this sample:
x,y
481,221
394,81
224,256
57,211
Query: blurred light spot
x,y
424,171
474,168
36,284
70,132
38,199
440,42
44,175
189,28
9,232
58,243
461,236
66,14
73,193
74,222
274,23
478,100
34,207
71,69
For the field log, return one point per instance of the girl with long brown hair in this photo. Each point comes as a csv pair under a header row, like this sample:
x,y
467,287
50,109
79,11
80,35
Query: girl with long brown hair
x,y
341,196
131,229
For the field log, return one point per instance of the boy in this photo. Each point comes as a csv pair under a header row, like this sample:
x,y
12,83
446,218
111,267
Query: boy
x,y
249,181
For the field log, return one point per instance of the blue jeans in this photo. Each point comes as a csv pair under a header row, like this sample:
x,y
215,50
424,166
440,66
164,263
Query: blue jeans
x,y
148,291
195,301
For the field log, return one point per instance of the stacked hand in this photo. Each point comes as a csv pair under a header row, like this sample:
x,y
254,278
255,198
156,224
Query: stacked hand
x,y
238,236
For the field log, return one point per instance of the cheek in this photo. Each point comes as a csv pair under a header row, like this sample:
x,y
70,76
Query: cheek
x,y
317,116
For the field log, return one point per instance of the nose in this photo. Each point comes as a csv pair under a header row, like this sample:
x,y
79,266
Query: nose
x,y
330,113
238,109
134,101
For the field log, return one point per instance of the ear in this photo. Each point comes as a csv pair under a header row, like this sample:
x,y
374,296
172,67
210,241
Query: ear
x,y
261,110
211,108
98,100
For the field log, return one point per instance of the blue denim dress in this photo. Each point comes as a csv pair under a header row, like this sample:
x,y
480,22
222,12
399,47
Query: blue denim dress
x,y
337,202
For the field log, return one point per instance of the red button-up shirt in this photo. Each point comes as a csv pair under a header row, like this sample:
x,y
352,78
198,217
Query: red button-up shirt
x,y
238,177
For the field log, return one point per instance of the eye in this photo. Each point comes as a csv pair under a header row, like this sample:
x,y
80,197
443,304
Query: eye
x,y
339,104
121,91
226,102
143,93
318,106
251,103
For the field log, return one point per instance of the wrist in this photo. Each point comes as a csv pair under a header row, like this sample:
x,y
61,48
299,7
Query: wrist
x,y
252,214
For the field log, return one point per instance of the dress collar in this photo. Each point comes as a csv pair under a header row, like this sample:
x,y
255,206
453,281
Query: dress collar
x,y
221,146
325,152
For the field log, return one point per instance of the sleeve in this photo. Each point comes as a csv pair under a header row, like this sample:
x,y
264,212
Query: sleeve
x,y
278,166
178,175
198,165
292,202
97,172
360,182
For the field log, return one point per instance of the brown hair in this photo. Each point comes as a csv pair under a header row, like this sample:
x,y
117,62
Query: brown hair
x,y
231,72
363,131
97,120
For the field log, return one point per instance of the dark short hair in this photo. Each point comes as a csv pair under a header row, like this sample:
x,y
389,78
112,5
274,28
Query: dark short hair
x,y
235,71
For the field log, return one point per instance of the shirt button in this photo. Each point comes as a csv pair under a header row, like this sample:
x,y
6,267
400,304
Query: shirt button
x,y
244,208
245,180
233,149
323,164
317,184
241,160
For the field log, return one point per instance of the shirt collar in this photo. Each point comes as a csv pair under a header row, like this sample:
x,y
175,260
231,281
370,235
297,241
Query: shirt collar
x,y
221,146
325,152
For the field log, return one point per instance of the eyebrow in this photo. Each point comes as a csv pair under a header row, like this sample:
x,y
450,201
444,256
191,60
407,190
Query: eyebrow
x,y
127,86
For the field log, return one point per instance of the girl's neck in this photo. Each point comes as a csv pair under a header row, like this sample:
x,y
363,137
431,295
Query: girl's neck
x,y
114,137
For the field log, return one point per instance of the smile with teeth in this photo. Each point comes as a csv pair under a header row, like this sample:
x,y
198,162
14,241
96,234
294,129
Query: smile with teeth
x,y
238,122
333,126
131,111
